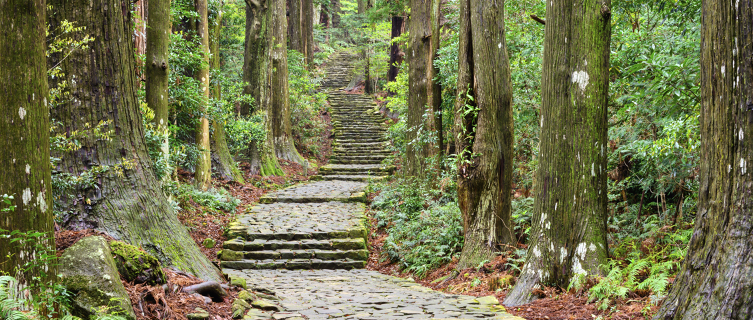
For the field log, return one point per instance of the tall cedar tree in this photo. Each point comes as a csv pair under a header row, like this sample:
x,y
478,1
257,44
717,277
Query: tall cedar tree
x,y
222,161
307,32
294,25
26,136
716,280
420,118
435,92
395,58
203,174
102,85
484,128
568,236
258,68
336,19
276,84
157,66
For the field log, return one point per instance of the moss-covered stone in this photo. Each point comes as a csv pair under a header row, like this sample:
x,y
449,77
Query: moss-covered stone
x,y
90,274
238,281
246,296
135,265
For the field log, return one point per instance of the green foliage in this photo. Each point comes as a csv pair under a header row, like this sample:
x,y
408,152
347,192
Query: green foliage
x,y
422,220
306,106
654,127
212,199
646,266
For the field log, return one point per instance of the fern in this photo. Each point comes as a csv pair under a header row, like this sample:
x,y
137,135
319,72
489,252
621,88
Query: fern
x,y
9,306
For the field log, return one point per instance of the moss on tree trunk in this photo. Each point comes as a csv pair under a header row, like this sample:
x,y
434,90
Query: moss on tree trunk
x,y
420,120
716,279
256,73
307,32
568,235
224,163
203,174
157,66
24,129
484,126
130,207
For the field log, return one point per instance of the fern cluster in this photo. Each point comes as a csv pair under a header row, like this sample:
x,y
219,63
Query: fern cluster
x,y
647,272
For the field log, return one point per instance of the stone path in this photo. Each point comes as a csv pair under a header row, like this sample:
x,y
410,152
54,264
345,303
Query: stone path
x,y
307,244
360,144
362,294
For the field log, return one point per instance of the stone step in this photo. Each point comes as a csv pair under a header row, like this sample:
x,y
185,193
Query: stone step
x,y
351,140
294,264
336,161
325,243
362,254
345,169
361,178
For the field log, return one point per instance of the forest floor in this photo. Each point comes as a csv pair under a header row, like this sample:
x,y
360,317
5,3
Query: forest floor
x,y
554,304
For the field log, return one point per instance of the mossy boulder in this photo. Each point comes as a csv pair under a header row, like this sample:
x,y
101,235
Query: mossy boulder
x,y
135,265
89,273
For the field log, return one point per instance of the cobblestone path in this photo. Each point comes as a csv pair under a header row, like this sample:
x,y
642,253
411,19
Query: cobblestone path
x,y
307,244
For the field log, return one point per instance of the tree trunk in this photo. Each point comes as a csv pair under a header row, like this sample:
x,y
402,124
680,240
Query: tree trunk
x,y
26,137
157,68
435,92
420,117
395,57
568,237
715,281
129,205
140,8
484,126
307,32
295,25
223,162
335,5
256,73
324,17
278,107
203,174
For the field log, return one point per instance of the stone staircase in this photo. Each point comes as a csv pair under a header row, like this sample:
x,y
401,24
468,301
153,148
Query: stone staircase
x,y
319,232
360,143
319,225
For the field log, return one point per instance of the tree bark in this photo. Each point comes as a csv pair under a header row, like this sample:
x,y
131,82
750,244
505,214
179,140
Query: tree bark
x,y
256,73
307,32
295,25
224,163
568,237
435,92
129,206
26,137
203,174
395,57
715,281
420,117
278,105
140,8
335,5
157,68
484,126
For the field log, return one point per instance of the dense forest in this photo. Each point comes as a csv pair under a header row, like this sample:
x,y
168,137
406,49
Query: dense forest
x,y
566,159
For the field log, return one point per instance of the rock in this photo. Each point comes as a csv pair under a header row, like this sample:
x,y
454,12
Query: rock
x,y
200,314
239,307
238,282
203,298
209,243
265,305
136,265
90,274
247,296
255,314
487,301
